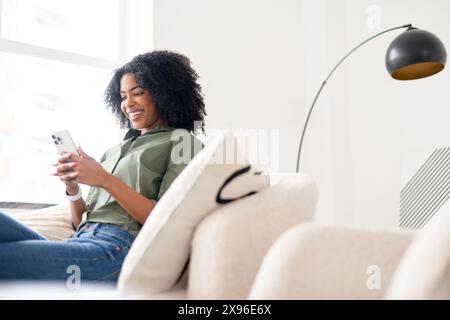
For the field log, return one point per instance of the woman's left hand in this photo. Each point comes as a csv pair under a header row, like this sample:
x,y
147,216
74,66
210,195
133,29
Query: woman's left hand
x,y
87,170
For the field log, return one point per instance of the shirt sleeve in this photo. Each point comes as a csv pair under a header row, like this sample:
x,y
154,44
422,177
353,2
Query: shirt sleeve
x,y
175,167
173,170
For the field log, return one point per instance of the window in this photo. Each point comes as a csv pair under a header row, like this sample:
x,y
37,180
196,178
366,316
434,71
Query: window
x,y
56,58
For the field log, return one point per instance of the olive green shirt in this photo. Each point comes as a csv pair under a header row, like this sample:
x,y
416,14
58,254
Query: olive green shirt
x,y
149,164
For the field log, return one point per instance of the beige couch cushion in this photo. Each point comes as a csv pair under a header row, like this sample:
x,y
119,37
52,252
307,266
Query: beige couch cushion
x,y
161,250
52,222
314,261
424,273
229,244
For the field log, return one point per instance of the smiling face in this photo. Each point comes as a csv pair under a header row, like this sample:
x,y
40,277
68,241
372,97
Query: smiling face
x,y
137,105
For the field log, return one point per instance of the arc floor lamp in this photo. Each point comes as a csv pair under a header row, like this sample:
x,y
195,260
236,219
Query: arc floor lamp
x,y
414,54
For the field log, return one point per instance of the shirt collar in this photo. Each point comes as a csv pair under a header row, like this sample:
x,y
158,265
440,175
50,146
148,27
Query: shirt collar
x,y
136,133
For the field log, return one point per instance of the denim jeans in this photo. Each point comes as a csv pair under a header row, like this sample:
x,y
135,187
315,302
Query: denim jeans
x,y
96,253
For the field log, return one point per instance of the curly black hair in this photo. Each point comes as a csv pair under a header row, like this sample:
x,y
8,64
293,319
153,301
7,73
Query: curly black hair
x,y
172,83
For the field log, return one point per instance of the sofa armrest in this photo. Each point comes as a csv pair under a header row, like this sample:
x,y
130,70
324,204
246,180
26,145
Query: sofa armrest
x,y
330,262
229,245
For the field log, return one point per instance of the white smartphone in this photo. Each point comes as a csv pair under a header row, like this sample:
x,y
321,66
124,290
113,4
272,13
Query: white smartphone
x,y
64,142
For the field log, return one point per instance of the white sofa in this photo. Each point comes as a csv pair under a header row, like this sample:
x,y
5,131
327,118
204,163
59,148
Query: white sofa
x,y
267,247
226,251
314,261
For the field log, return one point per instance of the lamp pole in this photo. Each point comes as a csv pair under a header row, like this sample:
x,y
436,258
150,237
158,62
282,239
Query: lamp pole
x,y
328,77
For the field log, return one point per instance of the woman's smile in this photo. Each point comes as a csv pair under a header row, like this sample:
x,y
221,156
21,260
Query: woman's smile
x,y
135,115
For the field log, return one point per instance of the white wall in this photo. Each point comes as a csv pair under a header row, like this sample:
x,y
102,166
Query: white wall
x,y
138,31
388,119
247,54
261,62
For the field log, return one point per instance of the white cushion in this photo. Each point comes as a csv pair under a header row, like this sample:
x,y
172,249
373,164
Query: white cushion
x,y
318,261
231,242
161,250
424,272
53,222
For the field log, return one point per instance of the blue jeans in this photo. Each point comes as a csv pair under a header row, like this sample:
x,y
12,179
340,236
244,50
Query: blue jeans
x,y
96,253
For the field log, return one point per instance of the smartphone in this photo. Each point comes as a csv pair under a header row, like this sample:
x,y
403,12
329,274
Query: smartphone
x,y
64,142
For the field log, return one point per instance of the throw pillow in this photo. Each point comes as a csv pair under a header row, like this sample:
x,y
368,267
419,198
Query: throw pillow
x,y
53,222
217,175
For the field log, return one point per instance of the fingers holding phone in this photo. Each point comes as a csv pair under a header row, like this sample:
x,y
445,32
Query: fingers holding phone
x,y
66,173
74,165
64,168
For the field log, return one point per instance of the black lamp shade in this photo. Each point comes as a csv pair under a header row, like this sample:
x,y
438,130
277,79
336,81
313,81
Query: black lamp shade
x,y
415,54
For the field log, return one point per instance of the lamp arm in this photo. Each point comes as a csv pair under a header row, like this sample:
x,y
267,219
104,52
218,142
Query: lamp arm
x,y
325,81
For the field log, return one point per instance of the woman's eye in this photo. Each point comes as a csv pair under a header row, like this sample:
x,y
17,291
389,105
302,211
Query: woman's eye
x,y
138,93
123,98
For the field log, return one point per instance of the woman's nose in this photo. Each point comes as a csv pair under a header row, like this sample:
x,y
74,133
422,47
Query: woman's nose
x,y
129,102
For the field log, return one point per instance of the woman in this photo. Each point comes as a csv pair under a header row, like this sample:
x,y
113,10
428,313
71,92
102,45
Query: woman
x,y
152,95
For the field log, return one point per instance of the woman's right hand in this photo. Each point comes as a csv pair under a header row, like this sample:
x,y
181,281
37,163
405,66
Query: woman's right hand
x,y
64,170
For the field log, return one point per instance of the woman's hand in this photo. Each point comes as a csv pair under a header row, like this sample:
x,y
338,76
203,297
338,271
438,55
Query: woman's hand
x,y
64,170
73,169
87,170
